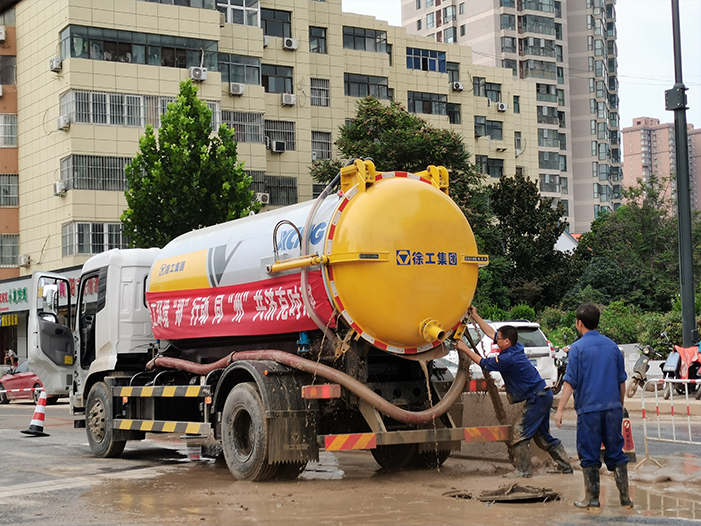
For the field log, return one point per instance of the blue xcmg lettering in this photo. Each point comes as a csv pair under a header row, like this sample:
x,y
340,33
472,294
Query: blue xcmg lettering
x,y
289,239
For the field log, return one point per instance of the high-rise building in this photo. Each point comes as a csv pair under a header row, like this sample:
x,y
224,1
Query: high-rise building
x,y
649,147
567,51
82,78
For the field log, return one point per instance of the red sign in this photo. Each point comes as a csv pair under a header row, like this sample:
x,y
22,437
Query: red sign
x,y
272,306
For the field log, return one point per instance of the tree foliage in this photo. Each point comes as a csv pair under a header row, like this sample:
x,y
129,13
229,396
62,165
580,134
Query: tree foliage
x,y
184,178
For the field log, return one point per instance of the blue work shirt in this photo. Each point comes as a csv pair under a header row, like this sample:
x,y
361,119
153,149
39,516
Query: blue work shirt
x,y
521,378
595,371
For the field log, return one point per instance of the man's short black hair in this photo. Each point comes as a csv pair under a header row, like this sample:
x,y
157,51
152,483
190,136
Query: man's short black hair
x,y
589,314
509,332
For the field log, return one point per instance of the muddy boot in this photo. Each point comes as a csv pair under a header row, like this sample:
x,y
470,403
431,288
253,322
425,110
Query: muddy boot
x,y
559,455
620,474
521,454
591,488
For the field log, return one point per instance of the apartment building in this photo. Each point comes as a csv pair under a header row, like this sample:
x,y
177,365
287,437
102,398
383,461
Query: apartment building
x,y
82,78
649,147
567,52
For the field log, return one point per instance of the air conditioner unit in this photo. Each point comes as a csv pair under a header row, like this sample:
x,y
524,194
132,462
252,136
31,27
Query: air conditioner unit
x,y
198,74
55,64
63,122
263,198
266,140
278,146
222,19
3,34
289,99
313,155
289,43
266,40
237,88
23,260
457,86
60,188
502,107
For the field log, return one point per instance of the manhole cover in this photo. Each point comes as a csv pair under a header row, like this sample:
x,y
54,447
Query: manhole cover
x,y
516,492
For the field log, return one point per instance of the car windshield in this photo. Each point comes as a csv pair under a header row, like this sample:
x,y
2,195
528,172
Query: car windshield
x,y
531,337
22,368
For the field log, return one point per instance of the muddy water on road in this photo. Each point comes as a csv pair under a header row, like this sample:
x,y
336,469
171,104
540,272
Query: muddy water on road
x,y
349,488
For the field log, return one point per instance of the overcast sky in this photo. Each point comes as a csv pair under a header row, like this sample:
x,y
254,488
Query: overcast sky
x,y
645,53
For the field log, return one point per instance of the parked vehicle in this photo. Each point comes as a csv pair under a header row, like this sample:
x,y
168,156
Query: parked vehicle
x,y
638,376
683,364
308,327
22,384
561,359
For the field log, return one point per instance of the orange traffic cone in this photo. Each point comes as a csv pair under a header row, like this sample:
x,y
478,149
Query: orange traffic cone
x,y
628,446
36,426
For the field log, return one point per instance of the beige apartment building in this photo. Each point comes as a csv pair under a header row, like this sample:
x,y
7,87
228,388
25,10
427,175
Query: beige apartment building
x,y
567,52
650,148
82,78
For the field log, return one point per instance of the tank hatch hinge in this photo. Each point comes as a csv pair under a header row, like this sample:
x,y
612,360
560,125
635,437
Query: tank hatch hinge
x,y
438,176
360,173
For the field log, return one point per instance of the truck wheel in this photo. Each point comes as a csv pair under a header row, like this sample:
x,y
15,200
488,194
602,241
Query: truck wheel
x,y
98,423
430,459
3,396
245,435
632,389
395,457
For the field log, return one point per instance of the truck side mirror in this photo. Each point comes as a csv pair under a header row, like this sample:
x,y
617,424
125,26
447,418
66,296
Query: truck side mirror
x,y
50,297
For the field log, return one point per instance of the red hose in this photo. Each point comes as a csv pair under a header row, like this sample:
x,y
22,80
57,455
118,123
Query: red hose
x,y
308,366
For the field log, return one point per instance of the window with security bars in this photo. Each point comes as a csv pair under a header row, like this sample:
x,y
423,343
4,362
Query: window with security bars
x,y
94,172
321,145
9,250
9,190
8,130
282,190
257,180
248,127
91,238
320,92
281,131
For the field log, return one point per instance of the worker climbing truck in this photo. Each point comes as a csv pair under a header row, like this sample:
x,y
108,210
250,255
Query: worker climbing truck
x,y
308,327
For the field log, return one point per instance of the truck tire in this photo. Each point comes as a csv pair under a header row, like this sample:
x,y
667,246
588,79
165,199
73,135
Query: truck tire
x,y
3,396
245,435
395,457
430,459
98,423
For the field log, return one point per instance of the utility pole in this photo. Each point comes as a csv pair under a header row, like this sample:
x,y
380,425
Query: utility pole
x,y
675,100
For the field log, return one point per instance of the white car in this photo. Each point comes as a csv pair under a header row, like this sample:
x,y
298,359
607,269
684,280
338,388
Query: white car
x,y
538,349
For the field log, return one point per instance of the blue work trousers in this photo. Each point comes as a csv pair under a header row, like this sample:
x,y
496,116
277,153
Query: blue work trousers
x,y
601,427
535,422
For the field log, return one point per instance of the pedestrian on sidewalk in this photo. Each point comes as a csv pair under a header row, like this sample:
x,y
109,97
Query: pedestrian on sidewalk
x,y
597,377
523,383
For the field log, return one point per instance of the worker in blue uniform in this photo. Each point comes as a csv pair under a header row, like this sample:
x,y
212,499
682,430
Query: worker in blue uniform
x,y
523,383
596,375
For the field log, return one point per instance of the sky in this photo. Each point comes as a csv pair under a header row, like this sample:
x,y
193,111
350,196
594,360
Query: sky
x,y
645,53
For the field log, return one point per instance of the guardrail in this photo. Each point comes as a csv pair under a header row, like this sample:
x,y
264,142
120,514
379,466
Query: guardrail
x,y
687,436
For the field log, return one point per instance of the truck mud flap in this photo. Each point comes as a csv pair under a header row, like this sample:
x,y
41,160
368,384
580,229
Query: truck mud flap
x,y
413,436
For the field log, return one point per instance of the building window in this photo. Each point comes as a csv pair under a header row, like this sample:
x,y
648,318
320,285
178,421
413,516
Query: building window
x,y
248,127
430,20
365,85
493,91
462,30
425,60
491,129
560,97
546,115
450,35
319,92
276,23
277,79
508,22
9,190
418,25
563,163
481,163
281,131
479,86
201,4
282,190
453,69
546,93
517,140
418,4
517,104
508,45
454,116
94,172
91,238
8,130
537,24
595,169
461,8
239,12
549,183
562,138
9,250
511,64
495,168
558,53
548,138
317,39
430,3
239,68
321,145
428,103
362,39
449,14
548,160
96,43
8,70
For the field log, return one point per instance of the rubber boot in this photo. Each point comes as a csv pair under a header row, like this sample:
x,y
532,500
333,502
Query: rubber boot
x,y
591,488
521,454
620,474
559,455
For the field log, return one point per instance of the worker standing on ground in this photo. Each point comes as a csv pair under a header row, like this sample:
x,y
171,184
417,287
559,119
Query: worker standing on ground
x,y
523,383
596,375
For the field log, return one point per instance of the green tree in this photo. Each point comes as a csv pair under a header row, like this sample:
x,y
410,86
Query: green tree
x,y
184,178
530,226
